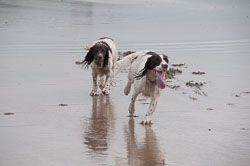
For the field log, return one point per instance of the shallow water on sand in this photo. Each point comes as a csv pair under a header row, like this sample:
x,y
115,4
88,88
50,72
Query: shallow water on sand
x,y
48,118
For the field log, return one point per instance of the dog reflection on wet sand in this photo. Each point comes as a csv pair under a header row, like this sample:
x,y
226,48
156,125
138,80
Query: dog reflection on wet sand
x,y
146,153
101,124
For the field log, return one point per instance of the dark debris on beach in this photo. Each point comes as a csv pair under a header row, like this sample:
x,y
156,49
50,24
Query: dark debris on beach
x,y
172,72
178,65
198,73
195,84
63,105
8,113
193,98
239,94
173,86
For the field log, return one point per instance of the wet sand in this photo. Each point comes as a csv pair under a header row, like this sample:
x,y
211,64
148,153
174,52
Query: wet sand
x,y
48,118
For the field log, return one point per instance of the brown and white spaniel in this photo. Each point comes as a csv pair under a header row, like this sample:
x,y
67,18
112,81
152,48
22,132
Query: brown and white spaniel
x,y
147,73
102,56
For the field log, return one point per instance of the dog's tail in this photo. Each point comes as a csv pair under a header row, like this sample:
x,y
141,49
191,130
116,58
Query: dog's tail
x,y
87,47
127,61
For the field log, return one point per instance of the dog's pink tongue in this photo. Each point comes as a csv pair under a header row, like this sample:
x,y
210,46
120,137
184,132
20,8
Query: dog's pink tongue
x,y
159,81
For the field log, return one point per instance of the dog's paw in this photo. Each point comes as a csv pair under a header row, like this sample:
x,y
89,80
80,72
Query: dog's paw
x,y
147,121
105,91
126,91
94,93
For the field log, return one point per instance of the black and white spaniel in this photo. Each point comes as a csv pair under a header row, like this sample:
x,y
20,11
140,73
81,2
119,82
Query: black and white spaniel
x,y
147,73
102,56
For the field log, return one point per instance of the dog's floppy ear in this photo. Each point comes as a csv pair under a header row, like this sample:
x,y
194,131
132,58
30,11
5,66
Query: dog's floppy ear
x,y
141,73
106,45
106,58
151,63
88,58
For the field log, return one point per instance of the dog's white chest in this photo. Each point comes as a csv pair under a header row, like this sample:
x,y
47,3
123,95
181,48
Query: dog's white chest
x,y
149,88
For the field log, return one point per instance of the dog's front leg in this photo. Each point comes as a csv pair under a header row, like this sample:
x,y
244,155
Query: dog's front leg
x,y
94,88
129,83
128,87
101,82
132,103
108,81
151,110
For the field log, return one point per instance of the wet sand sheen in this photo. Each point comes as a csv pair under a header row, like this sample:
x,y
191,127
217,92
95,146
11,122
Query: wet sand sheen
x,y
48,118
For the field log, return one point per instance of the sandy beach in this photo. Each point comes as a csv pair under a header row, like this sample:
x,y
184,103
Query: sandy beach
x,y
48,118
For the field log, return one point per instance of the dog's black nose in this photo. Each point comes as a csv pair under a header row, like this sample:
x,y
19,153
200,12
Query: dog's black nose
x,y
99,57
164,66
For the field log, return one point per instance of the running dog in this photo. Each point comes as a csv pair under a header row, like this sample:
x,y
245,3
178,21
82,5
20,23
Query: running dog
x,y
147,73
